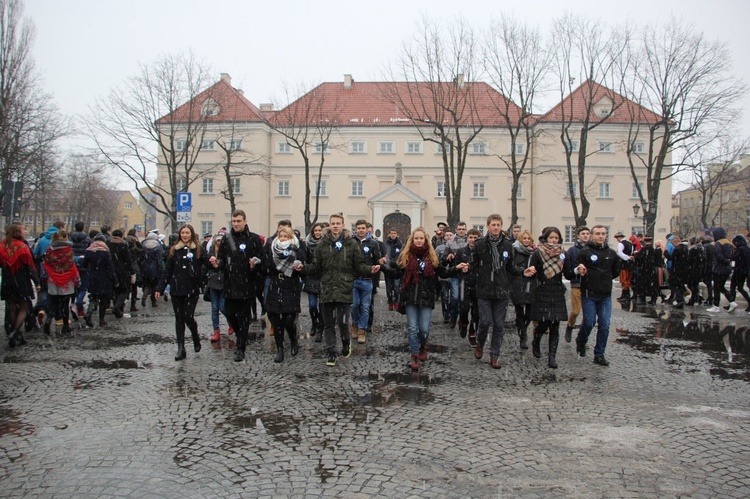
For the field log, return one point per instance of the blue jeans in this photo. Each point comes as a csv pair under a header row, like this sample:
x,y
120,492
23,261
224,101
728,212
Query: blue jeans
x,y
362,299
82,289
454,298
392,288
217,305
418,326
595,309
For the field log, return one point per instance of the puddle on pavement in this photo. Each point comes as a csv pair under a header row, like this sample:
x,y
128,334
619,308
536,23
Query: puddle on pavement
x,y
11,424
695,342
554,377
111,364
389,389
282,427
431,348
401,378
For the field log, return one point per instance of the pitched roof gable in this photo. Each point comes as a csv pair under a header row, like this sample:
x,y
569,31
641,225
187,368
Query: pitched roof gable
x,y
573,107
232,106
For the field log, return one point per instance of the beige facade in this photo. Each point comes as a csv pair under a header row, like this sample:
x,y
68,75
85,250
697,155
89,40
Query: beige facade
x,y
374,171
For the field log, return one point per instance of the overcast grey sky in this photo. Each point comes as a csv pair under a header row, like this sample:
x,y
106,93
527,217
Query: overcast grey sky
x,y
85,47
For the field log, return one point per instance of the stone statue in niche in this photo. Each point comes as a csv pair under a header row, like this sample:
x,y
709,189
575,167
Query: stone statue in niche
x,y
399,173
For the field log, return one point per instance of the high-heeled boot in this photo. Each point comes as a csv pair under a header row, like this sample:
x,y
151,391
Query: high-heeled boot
x,y
196,337
536,345
293,341
181,353
554,338
523,336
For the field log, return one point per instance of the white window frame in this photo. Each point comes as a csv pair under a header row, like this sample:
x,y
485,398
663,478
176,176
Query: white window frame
x,y
479,227
606,147
635,191
128,205
283,148
573,145
282,188
234,144
181,184
570,233
180,144
638,229
479,148
235,185
605,190
440,190
358,188
519,194
318,148
358,147
387,147
207,186
413,148
439,149
323,188
568,189
478,190
208,145
520,148
207,226
639,148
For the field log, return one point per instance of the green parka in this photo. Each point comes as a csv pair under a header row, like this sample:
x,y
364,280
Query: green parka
x,y
337,261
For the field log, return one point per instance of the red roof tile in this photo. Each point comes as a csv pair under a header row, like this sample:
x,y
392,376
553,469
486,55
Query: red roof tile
x,y
232,104
374,104
573,107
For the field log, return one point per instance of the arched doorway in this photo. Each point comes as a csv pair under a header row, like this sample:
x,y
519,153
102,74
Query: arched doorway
x,y
402,223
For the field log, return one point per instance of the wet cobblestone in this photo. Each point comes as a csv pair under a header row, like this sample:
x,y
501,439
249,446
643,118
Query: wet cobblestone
x,y
109,413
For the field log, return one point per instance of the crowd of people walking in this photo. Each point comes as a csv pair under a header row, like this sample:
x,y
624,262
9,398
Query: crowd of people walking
x,y
247,277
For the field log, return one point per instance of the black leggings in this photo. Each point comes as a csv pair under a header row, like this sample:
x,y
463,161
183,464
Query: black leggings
x,y
16,313
738,284
281,323
60,307
184,311
522,316
98,301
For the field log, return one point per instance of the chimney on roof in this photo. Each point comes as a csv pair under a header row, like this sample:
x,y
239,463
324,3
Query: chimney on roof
x,y
266,107
226,78
240,91
460,81
348,80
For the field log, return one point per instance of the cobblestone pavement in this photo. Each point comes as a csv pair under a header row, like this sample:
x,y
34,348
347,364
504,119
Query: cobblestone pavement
x,y
110,413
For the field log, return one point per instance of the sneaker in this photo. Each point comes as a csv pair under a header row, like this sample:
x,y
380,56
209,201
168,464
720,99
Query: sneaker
x,y
732,306
331,362
346,350
601,361
713,310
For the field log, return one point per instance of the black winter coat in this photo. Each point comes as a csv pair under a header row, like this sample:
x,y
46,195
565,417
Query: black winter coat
x,y
522,289
549,296
151,260
466,255
102,276
697,259
312,282
680,274
284,291
741,256
241,281
571,259
602,265
494,285
120,252
183,271
81,243
647,262
424,293
723,252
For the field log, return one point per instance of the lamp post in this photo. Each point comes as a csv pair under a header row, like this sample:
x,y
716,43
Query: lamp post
x,y
636,209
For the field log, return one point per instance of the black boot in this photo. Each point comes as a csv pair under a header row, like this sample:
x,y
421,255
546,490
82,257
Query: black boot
x,y
279,355
536,345
46,327
554,338
181,354
524,338
88,321
568,334
66,326
13,339
196,337
239,351
293,341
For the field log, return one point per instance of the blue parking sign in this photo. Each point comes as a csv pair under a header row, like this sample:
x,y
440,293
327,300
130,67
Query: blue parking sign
x,y
184,201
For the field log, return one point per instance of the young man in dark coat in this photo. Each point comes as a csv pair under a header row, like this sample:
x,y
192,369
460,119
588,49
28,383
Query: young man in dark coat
x,y
243,260
697,260
338,259
680,275
583,235
393,246
120,251
363,286
722,267
597,265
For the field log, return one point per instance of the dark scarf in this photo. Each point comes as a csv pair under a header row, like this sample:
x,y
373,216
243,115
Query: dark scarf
x,y
520,248
312,243
495,250
15,254
418,256
551,262
60,264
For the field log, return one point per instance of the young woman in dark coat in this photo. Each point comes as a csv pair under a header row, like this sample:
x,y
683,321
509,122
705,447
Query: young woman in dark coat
x,y
102,278
522,289
18,273
184,276
312,283
120,251
647,263
548,307
284,289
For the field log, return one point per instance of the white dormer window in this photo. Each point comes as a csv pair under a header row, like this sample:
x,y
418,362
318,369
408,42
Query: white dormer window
x,y
283,148
210,108
413,148
605,146
479,148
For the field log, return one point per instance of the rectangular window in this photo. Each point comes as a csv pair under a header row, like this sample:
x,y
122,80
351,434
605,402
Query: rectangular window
x,y
234,144
478,190
235,185
638,229
386,148
439,148
94,222
208,145
206,228
357,148
413,148
635,191
321,148
605,146
604,189
180,144
736,195
441,189
323,190
282,188
519,194
573,146
284,148
479,227
125,222
479,148
639,148
520,148
181,184
208,186
570,233
735,217
568,189
128,205
357,188
726,197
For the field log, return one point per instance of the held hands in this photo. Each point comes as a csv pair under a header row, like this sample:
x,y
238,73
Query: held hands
x,y
529,272
382,261
213,261
462,266
156,295
581,269
297,267
375,269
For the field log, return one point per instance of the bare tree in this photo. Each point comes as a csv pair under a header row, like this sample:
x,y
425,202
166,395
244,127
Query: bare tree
x,y
160,105
595,56
431,86
686,81
516,63
308,124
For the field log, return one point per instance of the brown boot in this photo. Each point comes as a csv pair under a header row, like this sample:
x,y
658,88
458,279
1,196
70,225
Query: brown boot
x,y
415,362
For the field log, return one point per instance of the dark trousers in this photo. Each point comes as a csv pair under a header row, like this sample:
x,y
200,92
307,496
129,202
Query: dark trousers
x,y
522,316
121,296
468,304
59,307
184,312
708,280
238,315
281,323
492,312
336,313
738,284
100,302
719,289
